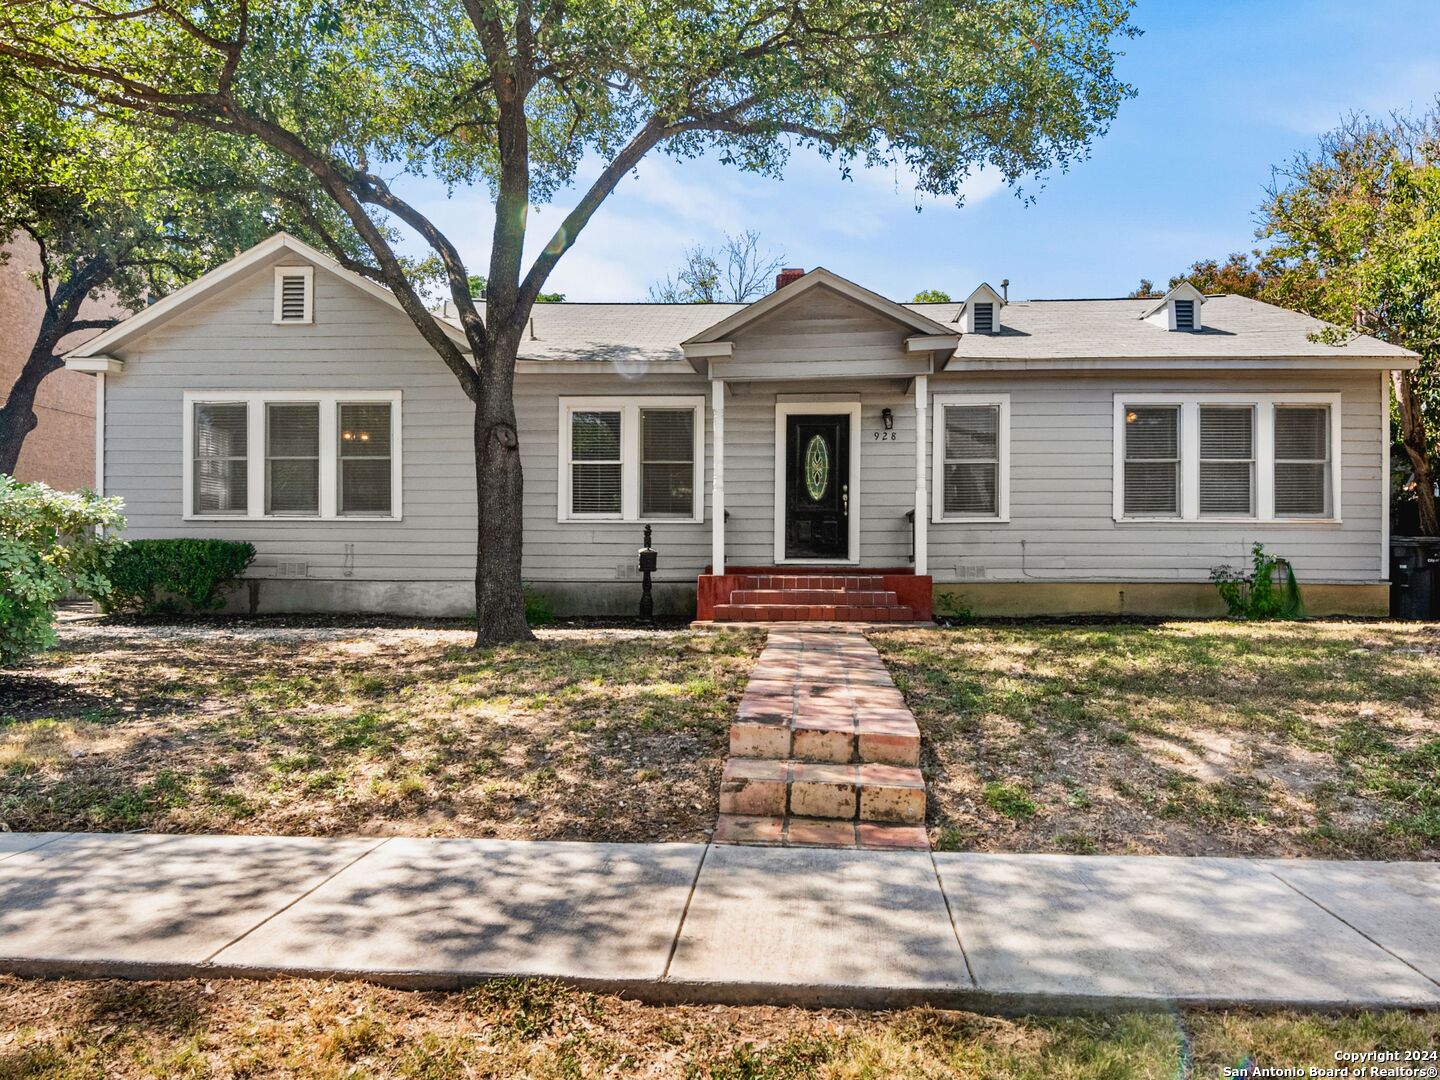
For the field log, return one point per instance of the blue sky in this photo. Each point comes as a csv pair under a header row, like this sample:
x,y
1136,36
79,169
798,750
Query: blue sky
x,y
1227,88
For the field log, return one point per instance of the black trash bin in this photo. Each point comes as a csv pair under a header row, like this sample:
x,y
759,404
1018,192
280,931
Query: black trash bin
x,y
1415,577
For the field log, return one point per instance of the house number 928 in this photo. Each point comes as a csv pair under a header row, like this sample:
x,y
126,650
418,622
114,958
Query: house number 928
x,y
886,436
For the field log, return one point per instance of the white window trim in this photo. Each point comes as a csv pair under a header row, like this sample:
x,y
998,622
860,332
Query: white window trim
x,y
308,273
629,410
255,402
819,405
1264,449
1002,500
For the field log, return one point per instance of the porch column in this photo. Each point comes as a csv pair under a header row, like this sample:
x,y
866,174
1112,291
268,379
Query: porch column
x,y
717,490
922,501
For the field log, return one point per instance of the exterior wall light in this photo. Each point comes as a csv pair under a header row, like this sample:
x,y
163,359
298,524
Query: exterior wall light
x,y
888,419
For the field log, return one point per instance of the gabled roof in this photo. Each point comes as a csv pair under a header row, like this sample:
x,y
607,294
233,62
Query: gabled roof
x,y
1183,291
983,294
268,252
922,325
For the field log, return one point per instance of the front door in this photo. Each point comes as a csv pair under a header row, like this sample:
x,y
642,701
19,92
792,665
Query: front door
x,y
817,487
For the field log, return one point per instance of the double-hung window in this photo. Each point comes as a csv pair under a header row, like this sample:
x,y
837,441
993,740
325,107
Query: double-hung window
x,y
219,455
292,454
1302,461
1259,457
631,459
972,457
1227,460
1152,461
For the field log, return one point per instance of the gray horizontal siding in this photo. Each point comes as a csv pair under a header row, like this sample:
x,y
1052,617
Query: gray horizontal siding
x,y
1061,457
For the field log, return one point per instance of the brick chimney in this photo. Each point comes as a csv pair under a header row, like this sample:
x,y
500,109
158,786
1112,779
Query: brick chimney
x,y
786,276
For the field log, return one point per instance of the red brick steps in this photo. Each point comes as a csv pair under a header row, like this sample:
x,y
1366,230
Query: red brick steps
x,y
814,598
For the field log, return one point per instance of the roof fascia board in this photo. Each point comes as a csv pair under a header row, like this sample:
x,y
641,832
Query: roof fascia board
x,y
95,365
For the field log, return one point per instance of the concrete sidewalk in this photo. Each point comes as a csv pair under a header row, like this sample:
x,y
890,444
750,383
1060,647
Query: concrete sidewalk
x,y
692,922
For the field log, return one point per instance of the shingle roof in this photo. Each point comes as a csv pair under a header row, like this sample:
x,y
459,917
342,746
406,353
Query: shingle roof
x,y
1234,327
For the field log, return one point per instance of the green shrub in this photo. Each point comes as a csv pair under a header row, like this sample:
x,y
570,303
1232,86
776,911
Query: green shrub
x,y
165,576
1256,595
51,542
538,610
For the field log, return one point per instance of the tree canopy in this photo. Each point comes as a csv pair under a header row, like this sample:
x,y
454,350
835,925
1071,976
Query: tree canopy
x,y
1350,233
517,95
931,296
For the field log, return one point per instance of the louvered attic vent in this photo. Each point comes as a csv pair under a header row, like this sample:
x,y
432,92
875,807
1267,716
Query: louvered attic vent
x,y
1184,314
984,318
293,294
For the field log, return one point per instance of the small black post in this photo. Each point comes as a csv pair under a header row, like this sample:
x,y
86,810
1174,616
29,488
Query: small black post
x,y
649,560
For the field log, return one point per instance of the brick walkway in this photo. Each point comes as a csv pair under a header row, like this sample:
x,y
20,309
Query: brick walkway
x,y
824,751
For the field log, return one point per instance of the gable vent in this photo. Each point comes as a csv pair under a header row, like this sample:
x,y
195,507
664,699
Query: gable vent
x,y
1184,314
294,294
984,318
292,299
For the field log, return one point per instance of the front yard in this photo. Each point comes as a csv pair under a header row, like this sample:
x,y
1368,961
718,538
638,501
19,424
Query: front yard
x,y
1187,738
256,728
286,1027
1291,739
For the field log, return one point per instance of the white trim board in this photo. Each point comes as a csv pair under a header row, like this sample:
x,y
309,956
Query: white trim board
x,y
255,401
817,408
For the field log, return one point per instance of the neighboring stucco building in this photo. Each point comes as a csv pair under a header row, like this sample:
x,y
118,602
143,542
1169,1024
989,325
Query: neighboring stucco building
x,y
61,450
822,452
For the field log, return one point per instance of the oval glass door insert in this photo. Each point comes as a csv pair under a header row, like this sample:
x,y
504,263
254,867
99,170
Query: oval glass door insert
x,y
817,468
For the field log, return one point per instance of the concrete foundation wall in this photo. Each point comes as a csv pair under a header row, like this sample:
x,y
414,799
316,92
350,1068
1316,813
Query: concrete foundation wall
x,y
1023,598
445,599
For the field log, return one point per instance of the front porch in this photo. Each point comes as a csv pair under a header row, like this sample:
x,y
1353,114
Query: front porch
x,y
843,531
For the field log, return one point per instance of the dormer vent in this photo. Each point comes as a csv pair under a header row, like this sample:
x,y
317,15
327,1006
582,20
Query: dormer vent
x,y
1178,310
980,314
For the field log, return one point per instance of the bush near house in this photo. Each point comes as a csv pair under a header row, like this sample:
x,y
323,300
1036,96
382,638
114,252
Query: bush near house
x,y
150,577
51,542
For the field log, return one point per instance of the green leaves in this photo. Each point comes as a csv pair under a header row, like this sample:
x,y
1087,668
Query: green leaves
x,y
51,542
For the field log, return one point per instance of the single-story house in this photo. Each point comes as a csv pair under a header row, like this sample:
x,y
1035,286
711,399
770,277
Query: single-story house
x,y
822,446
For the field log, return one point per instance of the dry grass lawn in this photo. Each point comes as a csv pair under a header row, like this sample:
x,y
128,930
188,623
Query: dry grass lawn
x,y
204,727
1189,738
291,1028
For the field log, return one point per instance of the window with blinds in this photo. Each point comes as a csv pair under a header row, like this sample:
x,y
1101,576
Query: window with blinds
x,y
596,465
972,460
220,465
292,458
1302,461
364,458
1184,314
667,462
984,318
1152,461
1227,460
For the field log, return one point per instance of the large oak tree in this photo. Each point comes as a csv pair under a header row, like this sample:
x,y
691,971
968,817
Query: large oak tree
x,y
519,95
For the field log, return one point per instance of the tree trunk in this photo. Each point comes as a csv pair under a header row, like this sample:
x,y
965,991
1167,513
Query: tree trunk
x,y
499,494
17,417
1418,450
